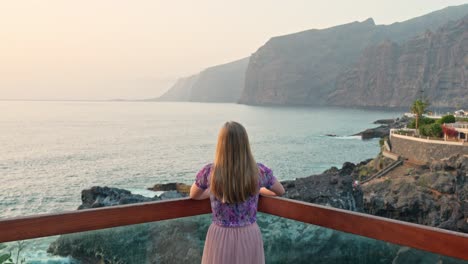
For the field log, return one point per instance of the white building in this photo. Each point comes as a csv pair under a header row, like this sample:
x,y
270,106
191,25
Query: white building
x,y
460,113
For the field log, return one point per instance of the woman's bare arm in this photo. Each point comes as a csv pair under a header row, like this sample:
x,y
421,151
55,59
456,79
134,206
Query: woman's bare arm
x,y
197,193
276,189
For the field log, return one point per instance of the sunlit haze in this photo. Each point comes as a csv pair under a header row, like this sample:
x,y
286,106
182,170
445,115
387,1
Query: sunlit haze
x,y
136,49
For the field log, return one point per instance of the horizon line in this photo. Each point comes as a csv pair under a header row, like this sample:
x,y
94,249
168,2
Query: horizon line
x,y
73,100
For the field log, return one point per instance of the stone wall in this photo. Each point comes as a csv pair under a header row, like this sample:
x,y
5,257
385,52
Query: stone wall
x,y
425,150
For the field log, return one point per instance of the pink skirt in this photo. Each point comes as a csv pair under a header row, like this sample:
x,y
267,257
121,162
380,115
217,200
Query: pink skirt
x,y
233,245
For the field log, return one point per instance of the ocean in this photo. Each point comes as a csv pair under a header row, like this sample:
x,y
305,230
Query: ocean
x,y
51,150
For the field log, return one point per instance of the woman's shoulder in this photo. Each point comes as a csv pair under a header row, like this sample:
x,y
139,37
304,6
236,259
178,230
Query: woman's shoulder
x,y
202,178
267,179
208,166
263,169
206,169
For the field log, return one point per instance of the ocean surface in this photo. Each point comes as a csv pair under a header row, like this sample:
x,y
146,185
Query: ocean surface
x,y
50,151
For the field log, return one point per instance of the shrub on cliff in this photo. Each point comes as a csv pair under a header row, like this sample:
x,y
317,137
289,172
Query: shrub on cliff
x,y
447,119
431,130
422,121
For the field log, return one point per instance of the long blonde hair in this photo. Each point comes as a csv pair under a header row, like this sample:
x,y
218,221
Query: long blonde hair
x,y
234,177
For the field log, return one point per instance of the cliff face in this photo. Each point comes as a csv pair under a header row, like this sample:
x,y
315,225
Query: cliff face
x,y
303,68
394,75
180,91
222,83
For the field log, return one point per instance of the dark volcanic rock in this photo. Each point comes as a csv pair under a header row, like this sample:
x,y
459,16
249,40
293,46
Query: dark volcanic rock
x,y
105,196
383,130
332,188
378,132
385,121
436,197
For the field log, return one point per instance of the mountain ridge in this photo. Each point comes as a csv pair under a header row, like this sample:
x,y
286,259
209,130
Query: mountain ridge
x,y
432,65
220,83
303,68
306,67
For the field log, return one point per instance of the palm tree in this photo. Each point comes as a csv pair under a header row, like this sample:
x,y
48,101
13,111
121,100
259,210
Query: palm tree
x,y
418,108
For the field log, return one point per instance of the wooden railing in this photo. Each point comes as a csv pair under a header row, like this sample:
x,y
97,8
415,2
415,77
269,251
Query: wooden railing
x,y
430,239
435,240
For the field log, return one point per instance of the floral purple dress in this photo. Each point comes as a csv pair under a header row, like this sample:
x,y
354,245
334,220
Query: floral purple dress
x,y
234,236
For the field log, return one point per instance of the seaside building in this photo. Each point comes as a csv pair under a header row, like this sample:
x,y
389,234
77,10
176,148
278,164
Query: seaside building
x,y
460,113
461,128
407,144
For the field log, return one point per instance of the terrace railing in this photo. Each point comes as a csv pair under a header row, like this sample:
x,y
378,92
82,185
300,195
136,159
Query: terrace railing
x,y
438,241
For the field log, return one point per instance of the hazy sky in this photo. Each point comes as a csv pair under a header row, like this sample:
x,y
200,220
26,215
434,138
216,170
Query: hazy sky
x,y
103,49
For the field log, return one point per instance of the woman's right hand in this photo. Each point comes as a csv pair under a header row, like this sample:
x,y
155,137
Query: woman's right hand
x,y
276,189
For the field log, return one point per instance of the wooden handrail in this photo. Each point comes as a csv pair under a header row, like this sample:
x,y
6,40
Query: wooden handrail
x,y
100,218
430,239
435,240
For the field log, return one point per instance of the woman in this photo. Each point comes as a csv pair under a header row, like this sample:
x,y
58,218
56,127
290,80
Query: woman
x,y
233,184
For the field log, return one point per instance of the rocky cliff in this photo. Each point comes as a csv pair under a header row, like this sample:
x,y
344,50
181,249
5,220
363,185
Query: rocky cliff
x,y
180,91
433,65
333,188
303,68
436,195
222,83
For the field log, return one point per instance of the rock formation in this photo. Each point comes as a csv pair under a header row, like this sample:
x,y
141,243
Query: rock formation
x,y
306,68
180,91
435,196
176,186
356,64
384,129
222,83
332,188
301,68
433,65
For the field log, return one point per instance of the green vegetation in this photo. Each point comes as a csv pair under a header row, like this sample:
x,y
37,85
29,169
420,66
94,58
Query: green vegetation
x,y
422,121
5,258
10,258
461,119
418,108
429,127
432,130
447,119
382,141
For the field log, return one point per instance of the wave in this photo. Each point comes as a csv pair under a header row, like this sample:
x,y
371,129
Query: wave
x,y
342,137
